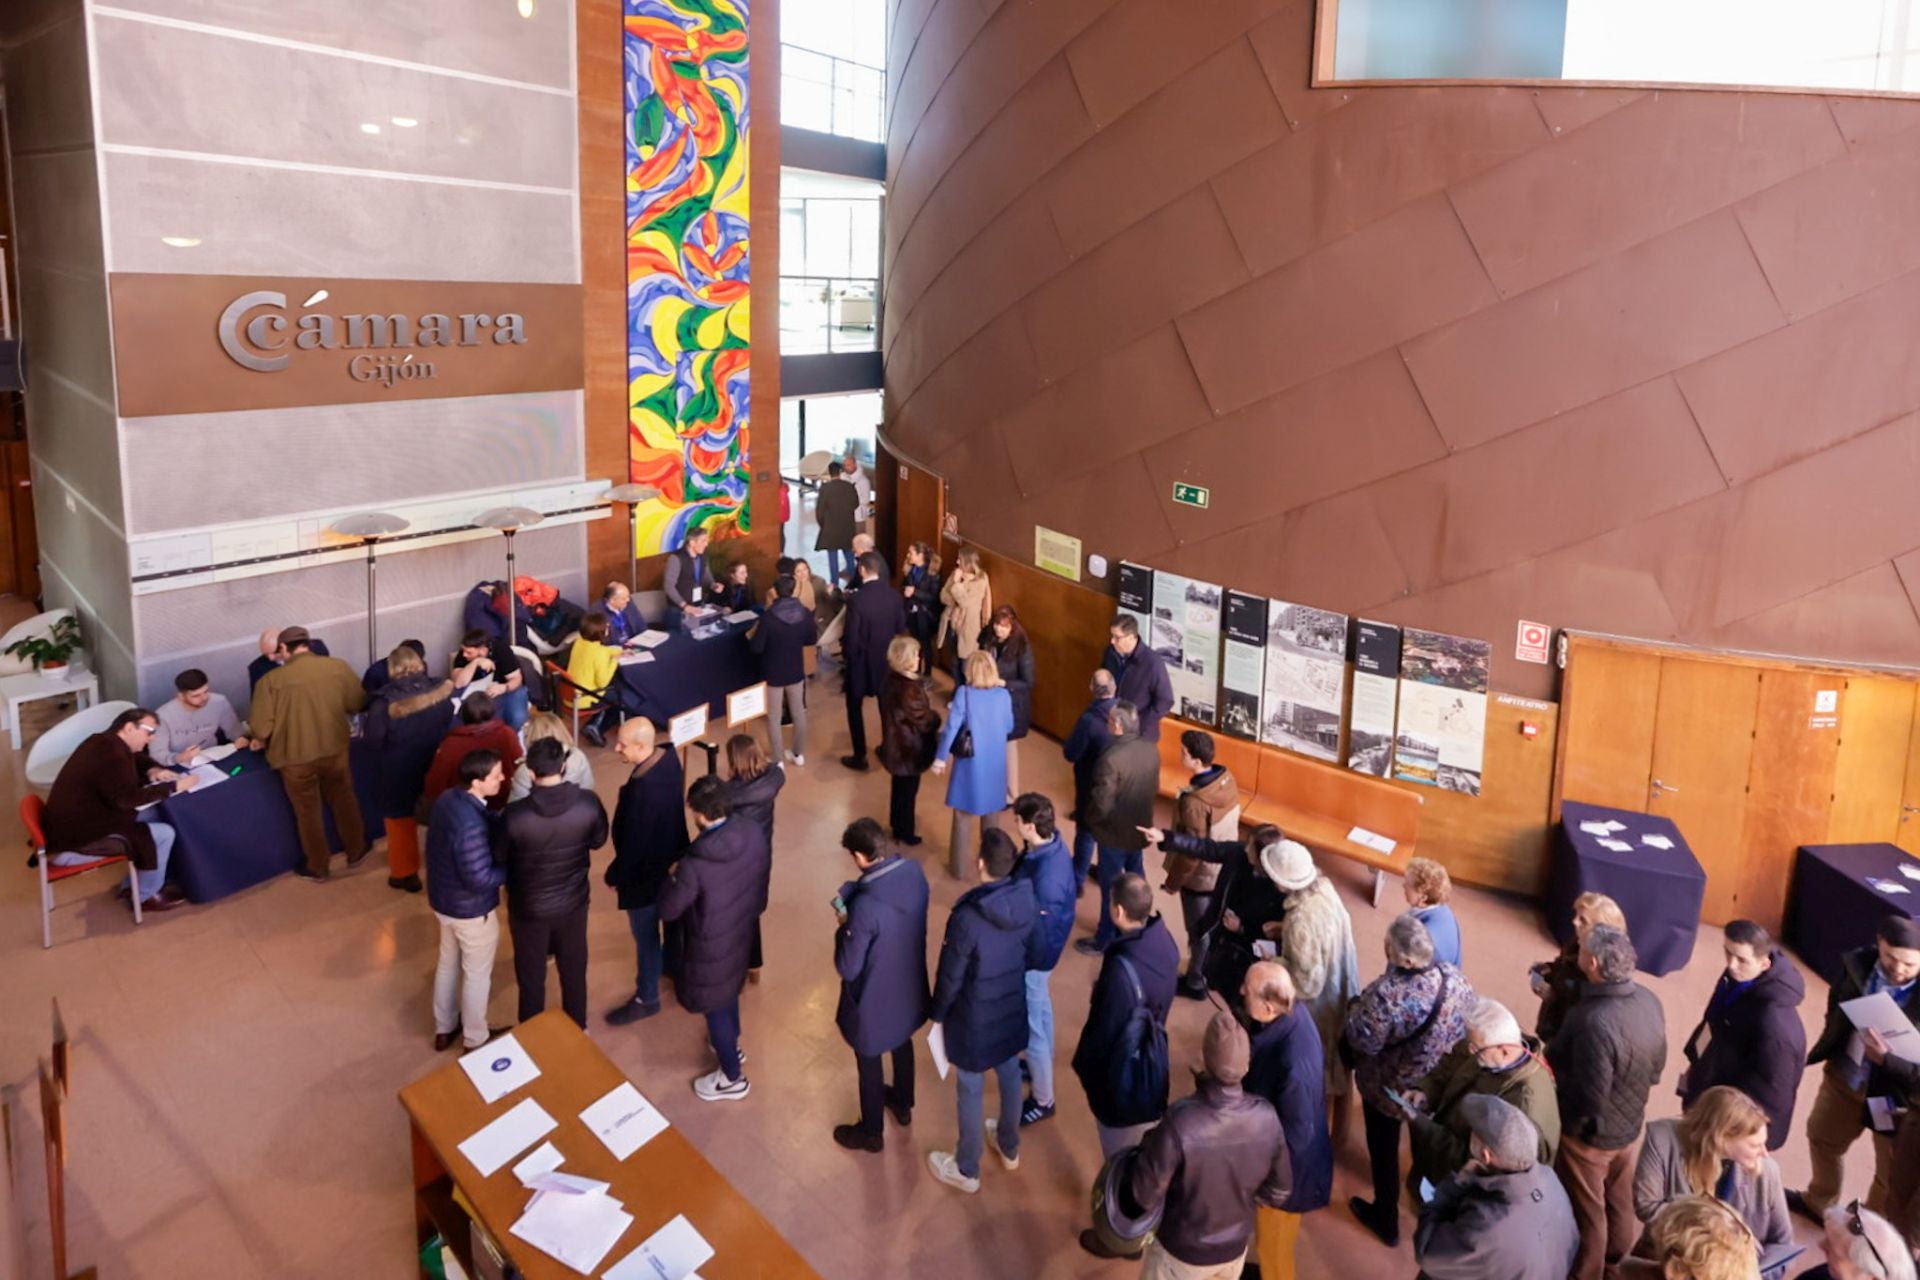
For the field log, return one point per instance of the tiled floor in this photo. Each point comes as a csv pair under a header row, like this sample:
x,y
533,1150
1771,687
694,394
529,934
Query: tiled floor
x,y
234,1107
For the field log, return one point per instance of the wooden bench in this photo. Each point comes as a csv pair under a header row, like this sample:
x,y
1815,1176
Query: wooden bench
x,y
1312,801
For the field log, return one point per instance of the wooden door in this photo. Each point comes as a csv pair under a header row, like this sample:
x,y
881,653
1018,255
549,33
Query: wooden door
x,y
1870,776
1702,757
1607,705
1789,790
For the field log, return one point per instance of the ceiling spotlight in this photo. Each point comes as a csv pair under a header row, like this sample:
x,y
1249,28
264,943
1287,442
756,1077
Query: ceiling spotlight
x,y
526,8
369,127
405,122
180,242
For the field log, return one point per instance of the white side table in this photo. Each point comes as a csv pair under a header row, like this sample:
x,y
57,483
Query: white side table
x,y
20,690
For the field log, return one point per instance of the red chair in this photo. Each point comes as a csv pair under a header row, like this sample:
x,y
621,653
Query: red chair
x,y
567,694
32,812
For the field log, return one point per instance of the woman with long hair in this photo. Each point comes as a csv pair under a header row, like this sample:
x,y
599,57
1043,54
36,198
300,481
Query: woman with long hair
x,y
753,787
1012,651
920,591
545,724
982,711
409,718
968,595
907,725
1718,1148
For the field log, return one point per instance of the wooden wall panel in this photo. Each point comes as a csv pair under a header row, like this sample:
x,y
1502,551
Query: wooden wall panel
x,y
1499,839
1605,750
1702,757
1069,627
1789,791
1870,769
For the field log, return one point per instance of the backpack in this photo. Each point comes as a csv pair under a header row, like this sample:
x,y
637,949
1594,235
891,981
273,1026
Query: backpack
x,y
1137,1069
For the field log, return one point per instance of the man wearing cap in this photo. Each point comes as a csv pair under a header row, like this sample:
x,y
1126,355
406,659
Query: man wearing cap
x,y
1217,1154
1287,1068
1494,1057
300,711
1504,1216
1839,1114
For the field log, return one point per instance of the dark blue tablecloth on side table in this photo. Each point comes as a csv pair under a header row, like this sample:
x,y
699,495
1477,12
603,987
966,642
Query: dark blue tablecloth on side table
x,y
1832,909
1659,889
240,832
686,672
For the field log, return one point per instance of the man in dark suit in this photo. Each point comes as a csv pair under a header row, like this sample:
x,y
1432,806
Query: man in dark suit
x,y
687,580
93,810
1140,674
274,654
1126,778
834,509
875,615
1084,745
623,615
880,951
649,832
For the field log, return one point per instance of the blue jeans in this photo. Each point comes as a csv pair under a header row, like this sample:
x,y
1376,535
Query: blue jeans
x,y
1114,863
512,708
1083,846
151,882
835,558
973,1107
1040,1035
645,923
723,1028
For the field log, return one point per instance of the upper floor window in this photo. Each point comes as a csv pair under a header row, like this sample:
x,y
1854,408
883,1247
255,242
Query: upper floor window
x,y
833,74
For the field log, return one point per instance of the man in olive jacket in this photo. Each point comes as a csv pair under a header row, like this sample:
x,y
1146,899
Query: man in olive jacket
x,y
1495,1057
300,710
1126,778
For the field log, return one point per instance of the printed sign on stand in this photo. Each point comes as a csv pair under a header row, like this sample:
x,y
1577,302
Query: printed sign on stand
x,y
688,726
746,704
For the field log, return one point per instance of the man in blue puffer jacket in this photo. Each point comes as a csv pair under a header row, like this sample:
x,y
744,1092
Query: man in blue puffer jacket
x,y
463,887
1045,864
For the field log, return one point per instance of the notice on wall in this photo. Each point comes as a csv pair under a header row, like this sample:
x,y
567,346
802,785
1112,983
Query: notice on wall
x,y
1136,597
1376,697
1306,679
1056,553
1243,665
1186,632
1442,731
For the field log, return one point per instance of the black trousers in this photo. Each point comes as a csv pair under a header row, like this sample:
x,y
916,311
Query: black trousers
x,y
900,798
565,939
1383,1149
1197,910
873,1090
857,723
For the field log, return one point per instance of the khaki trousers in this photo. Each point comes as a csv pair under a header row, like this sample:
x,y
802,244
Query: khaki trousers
x,y
1600,1185
463,977
1275,1233
1838,1118
1161,1265
1903,1182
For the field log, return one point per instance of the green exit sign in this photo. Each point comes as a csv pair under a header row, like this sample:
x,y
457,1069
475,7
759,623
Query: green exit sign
x,y
1192,495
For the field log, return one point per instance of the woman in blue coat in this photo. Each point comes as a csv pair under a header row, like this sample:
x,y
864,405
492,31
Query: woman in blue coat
x,y
978,787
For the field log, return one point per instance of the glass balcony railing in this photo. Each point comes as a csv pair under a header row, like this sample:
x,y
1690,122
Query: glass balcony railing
x,y
832,95
827,314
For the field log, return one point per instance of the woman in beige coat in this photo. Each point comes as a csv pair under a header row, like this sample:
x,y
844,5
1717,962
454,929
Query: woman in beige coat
x,y
968,596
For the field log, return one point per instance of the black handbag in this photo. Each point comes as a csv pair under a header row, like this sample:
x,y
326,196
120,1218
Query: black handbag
x,y
963,743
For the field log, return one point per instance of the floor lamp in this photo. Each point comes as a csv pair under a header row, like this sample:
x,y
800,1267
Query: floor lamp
x,y
370,527
631,496
509,520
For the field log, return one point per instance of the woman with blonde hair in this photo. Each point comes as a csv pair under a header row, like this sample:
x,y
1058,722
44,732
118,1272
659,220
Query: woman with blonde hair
x,y
1696,1238
545,724
908,725
978,726
1718,1148
405,725
1558,982
968,595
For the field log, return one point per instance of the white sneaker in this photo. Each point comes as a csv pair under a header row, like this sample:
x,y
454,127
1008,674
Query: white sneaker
x,y
993,1128
800,762
715,1087
947,1170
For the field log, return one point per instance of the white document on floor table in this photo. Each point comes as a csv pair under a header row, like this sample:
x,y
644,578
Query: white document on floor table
x,y
577,1230
508,1136
499,1067
624,1120
673,1252
937,1046
545,1159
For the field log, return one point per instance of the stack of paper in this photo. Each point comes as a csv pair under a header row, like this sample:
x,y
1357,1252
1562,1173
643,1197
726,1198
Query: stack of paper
x,y
214,755
743,615
1618,846
575,1229
671,1253
630,659
1656,842
650,639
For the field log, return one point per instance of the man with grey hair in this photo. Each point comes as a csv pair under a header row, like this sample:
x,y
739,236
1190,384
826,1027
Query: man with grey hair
x,y
1502,1216
1607,1056
1119,806
1861,1245
1084,745
1494,1058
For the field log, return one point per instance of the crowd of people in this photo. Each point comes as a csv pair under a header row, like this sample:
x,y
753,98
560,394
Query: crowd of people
x,y
1530,1154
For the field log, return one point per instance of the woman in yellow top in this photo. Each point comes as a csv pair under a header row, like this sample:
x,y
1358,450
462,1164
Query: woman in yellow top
x,y
592,666
968,596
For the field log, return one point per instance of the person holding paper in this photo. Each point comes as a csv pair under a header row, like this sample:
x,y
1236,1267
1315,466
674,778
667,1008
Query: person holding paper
x,y
719,890
1839,1115
593,667
1494,1057
649,833
1208,806
781,640
1750,1036
488,662
550,837
1126,778
1903,1182
301,711
980,1004
463,888
1718,1148
93,809
880,953
194,719
686,580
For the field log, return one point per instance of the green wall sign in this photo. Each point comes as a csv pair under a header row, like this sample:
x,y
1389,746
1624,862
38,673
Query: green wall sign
x,y
1192,495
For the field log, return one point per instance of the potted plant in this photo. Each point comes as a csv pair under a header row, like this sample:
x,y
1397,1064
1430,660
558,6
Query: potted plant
x,y
52,650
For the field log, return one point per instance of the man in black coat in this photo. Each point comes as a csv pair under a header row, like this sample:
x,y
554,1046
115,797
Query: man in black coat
x,y
649,832
1084,745
715,889
780,639
1839,1114
1119,805
1140,674
875,615
1751,1037
1142,967
880,952
550,837
980,1004
1606,1058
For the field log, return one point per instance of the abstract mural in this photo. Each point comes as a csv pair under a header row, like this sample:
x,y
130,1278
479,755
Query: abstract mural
x,y
688,318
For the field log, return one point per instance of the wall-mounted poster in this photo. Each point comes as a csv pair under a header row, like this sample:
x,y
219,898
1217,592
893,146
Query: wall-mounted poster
x,y
1443,711
1135,591
1376,688
1186,632
1243,665
1306,679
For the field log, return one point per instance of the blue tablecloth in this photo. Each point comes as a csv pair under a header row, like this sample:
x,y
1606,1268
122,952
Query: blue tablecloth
x,y
686,672
1832,909
1659,889
236,834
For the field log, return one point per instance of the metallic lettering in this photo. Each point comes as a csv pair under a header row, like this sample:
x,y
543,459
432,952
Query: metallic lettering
x,y
387,370
316,331
511,329
229,330
248,337
380,331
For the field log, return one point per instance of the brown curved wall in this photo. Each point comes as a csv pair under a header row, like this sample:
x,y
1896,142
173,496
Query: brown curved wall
x,y
1631,361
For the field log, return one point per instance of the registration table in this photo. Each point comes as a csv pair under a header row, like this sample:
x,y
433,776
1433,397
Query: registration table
x,y
237,833
686,673
664,1179
1660,890
1841,893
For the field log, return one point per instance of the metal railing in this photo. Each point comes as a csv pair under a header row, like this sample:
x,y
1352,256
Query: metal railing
x,y
830,94
829,314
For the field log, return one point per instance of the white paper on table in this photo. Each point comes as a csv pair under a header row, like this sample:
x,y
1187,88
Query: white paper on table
x,y
1614,824
1657,842
633,659
1878,1012
208,775
1597,828
623,1120
213,755
1618,846
499,1067
937,1046
650,639
568,1184
1910,871
545,1159
671,1253
508,1136
1886,886
576,1230
1371,840
743,615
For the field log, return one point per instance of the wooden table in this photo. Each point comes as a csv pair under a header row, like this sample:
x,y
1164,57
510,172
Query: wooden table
x,y
663,1178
